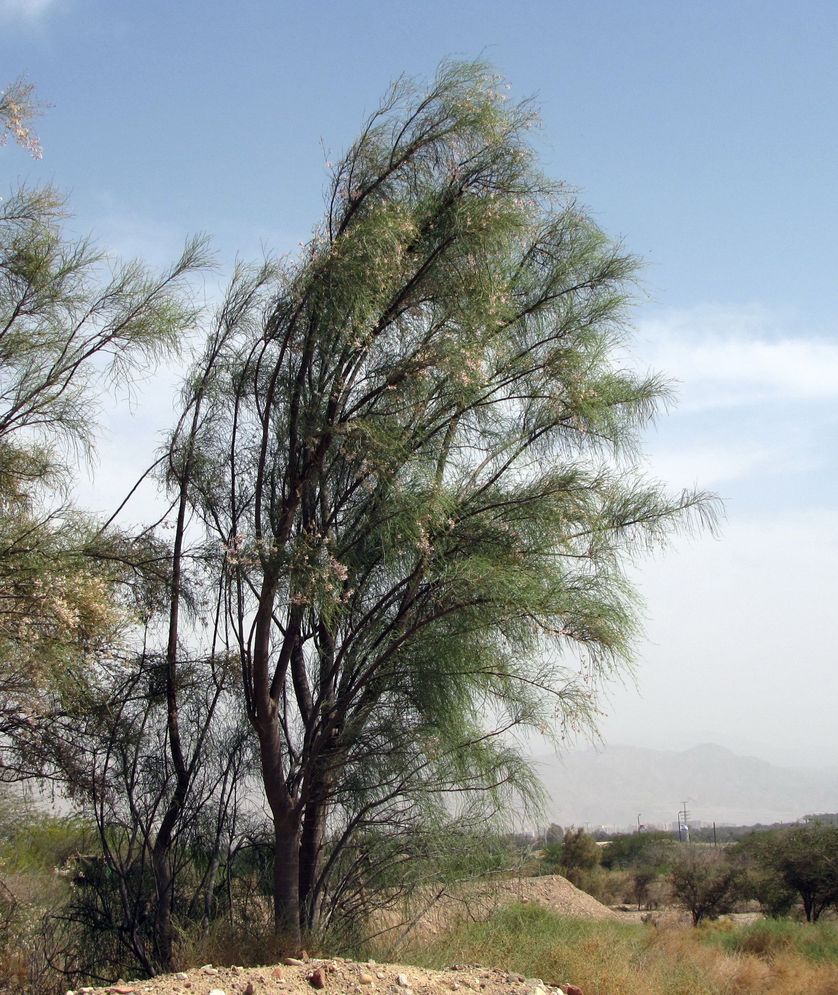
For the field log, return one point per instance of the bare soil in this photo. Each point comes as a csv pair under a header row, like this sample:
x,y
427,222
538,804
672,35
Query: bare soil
x,y
338,977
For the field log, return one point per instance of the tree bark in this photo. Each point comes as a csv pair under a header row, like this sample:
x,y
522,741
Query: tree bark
x,y
311,845
287,884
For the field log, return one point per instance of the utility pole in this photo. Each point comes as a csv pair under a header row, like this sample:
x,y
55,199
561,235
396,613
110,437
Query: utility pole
x,y
683,815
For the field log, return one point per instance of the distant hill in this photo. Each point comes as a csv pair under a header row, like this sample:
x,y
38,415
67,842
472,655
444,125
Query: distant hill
x,y
611,785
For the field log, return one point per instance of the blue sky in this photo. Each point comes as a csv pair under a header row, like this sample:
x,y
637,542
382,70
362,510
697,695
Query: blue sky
x,y
705,135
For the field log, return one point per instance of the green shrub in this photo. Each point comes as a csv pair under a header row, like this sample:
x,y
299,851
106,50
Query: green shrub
x,y
44,843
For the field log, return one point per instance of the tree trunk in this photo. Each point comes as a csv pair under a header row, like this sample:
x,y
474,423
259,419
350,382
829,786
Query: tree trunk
x,y
311,846
164,887
287,884
286,820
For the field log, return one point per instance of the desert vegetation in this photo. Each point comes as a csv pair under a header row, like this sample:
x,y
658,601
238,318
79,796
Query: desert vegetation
x,y
396,504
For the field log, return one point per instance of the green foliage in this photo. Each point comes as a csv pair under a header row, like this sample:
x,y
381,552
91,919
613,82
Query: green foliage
x,y
705,883
654,850
71,324
418,449
45,843
619,958
801,859
772,938
576,853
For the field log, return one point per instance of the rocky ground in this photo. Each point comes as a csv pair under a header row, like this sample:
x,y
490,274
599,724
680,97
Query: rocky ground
x,y
336,976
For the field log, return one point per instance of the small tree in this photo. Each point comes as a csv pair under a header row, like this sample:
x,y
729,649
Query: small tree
x,y
554,834
802,860
705,883
575,855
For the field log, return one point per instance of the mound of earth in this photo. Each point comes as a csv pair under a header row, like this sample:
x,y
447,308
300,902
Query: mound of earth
x,y
432,912
556,893
335,976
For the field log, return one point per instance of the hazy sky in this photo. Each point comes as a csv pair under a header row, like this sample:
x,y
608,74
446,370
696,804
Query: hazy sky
x,y
705,135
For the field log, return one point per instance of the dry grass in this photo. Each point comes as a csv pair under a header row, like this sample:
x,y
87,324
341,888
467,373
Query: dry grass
x,y
614,958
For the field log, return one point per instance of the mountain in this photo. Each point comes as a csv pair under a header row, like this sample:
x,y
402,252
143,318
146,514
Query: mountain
x,y
612,785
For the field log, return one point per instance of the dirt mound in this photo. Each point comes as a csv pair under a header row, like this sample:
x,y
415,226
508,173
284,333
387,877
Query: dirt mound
x,y
432,912
558,894
334,976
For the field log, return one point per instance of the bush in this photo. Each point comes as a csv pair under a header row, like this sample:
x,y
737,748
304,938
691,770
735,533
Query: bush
x,y
705,883
801,860
647,850
576,854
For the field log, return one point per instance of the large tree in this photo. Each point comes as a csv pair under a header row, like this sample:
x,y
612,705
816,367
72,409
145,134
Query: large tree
x,y
418,461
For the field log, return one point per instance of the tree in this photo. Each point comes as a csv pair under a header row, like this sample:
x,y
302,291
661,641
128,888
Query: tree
x,y
73,322
417,460
639,850
63,335
803,860
554,833
577,853
705,883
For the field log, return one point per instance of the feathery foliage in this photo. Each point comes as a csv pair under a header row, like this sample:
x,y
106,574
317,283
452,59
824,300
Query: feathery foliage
x,y
417,462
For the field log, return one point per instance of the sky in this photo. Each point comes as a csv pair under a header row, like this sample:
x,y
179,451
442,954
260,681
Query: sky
x,y
702,135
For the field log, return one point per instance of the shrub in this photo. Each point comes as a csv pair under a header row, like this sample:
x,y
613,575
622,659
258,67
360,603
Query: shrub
x,y
705,883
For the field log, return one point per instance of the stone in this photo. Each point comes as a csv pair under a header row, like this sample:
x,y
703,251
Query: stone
x,y
249,989
401,981
317,978
572,990
217,991
182,976
210,970
366,979
293,962
276,973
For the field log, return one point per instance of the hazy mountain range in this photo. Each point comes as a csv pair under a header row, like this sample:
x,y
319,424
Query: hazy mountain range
x,y
612,785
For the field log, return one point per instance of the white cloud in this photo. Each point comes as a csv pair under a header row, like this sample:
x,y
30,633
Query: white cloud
x,y
24,11
724,358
